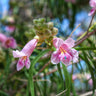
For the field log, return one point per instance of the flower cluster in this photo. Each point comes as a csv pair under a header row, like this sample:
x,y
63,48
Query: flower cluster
x,y
64,52
45,32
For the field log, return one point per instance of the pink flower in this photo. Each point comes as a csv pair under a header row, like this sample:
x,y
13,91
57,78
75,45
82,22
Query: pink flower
x,y
64,51
10,28
93,5
90,82
7,42
74,77
24,54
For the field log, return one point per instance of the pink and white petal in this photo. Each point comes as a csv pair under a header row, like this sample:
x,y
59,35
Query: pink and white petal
x,y
55,59
65,47
57,42
74,77
20,64
90,82
92,3
3,38
10,43
13,43
17,54
91,12
70,42
27,63
66,59
29,47
75,55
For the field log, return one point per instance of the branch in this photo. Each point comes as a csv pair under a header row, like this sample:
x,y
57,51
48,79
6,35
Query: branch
x,y
84,38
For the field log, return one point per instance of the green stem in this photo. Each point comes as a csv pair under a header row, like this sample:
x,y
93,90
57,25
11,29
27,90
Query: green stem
x,y
31,83
85,48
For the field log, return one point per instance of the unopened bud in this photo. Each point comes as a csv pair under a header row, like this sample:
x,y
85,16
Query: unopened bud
x,y
50,25
55,31
36,37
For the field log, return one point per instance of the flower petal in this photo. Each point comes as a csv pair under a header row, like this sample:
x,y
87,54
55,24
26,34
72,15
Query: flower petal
x,y
10,43
27,63
20,64
74,54
55,59
2,37
66,58
91,12
70,42
57,42
17,54
29,47
92,3
65,47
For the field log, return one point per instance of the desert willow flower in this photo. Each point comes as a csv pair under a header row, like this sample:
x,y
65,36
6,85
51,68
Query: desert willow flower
x,y
93,5
25,53
64,51
7,42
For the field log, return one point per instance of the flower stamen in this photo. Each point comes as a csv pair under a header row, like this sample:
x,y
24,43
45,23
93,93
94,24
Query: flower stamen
x,y
62,50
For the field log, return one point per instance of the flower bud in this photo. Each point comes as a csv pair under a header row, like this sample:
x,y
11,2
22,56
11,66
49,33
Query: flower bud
x,y
55,31
50,25
36,37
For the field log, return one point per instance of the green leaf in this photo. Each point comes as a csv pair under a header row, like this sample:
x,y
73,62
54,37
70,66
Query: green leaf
x,y
3,93
67,80
85,48
90,69
60,72
32,68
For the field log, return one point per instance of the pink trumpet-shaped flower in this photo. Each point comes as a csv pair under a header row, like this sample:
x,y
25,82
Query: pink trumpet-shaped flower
x,y
93,5
64,51
24,54
7,42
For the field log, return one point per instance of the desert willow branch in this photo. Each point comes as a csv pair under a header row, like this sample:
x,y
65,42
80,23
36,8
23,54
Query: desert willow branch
x,y
88,93
88,28
74,30
90,22
61,93
84,38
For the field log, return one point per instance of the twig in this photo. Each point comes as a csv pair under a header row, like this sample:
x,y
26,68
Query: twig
x,y
54,70
88,93
88,28
24,80
61,92
90,23
40,48
74,30
42,69
84,38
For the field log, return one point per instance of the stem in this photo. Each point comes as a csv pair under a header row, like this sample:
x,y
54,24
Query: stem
x,y
90,23
31,83
88,28
84,38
